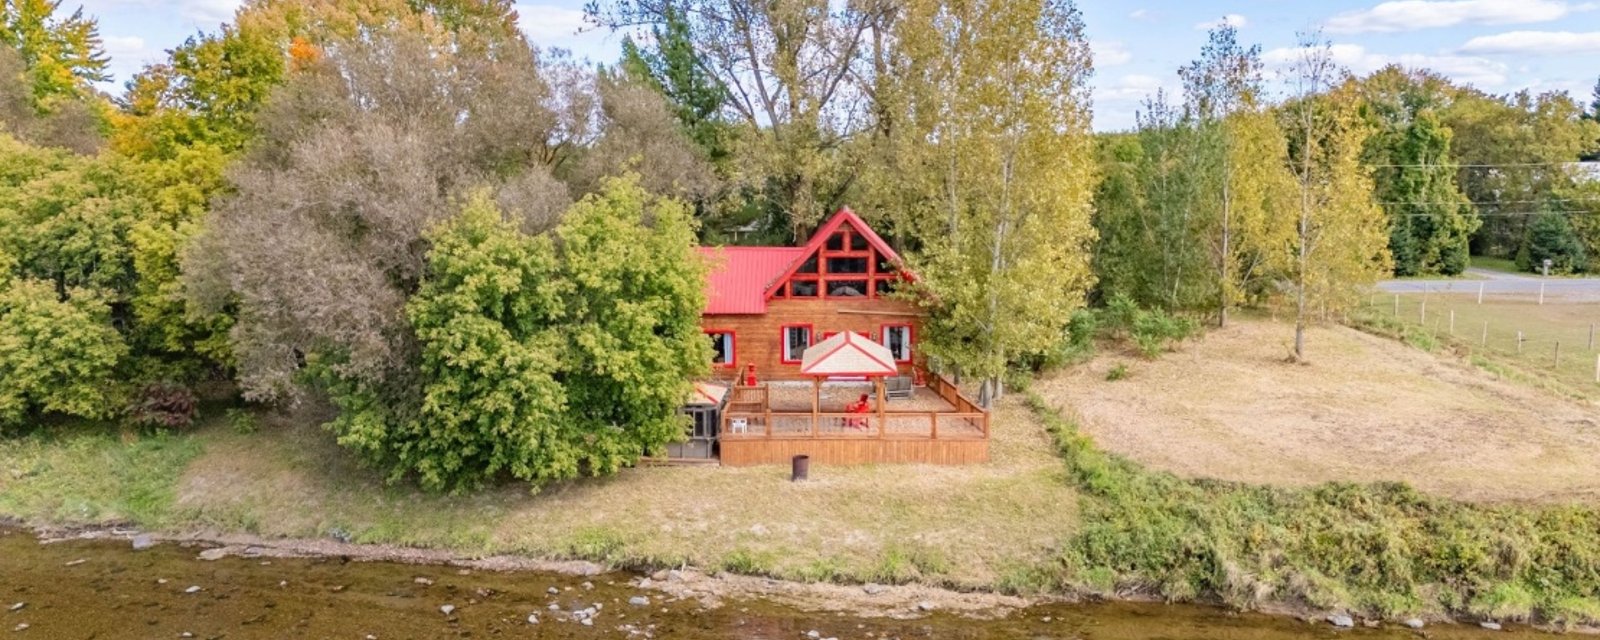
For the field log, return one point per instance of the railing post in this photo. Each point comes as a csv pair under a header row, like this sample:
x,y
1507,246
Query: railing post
x,y
933,420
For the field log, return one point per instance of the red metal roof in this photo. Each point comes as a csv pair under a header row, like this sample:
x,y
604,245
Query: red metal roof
x,y
742,278
740,275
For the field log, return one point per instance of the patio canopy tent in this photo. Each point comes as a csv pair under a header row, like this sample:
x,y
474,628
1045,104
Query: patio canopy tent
x,y
848,355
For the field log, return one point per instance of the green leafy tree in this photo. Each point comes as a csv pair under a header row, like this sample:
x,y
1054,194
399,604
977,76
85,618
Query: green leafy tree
x,y
633,320
488,319
1007,159
1551,237
540,357
1430,220
1340,245
57,355
63,55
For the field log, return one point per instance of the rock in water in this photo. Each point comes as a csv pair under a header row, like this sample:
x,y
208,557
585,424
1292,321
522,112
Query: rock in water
x,y
18,606
925,605
142,542
639,601
552,591
21,626
1341,620
193,589
423,581
1492,626
447,609
533,618
1414,623
214,554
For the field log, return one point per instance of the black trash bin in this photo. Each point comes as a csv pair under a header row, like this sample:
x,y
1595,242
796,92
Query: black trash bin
x,y
801,468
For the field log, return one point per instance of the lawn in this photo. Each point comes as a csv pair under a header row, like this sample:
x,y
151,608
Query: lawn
x,y
972,526
1488,333
1365,409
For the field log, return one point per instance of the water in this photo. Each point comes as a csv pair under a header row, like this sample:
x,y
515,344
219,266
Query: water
x,y
103,589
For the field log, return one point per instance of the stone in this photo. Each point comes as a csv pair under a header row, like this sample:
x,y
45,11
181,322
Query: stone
x,y
77,562
873,589
186,634
161,580
21,626
1341,620
1492,626
18,606
142,542
814,634
659,575
214,554
1414,623
193,589
639,601
555,607
552,591
675,575
588,586
533,618
587,622
447,609
925,605
423,581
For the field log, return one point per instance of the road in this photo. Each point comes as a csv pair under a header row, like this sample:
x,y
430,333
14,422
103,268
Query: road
x,y
1501,284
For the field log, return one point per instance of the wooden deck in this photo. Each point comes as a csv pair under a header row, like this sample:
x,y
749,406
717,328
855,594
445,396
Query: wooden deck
x,y
771,423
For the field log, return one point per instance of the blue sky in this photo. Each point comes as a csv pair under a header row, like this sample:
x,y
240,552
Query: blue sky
x,y
1497,45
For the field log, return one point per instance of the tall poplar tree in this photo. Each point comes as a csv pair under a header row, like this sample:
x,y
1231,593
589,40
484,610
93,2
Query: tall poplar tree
x,y
1003,120
1340,244
1239,157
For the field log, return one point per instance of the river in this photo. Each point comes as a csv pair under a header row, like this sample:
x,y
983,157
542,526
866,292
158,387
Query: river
x,y
103,589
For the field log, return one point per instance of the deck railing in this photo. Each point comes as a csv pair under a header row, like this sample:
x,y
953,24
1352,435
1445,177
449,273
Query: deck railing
x,y
749,414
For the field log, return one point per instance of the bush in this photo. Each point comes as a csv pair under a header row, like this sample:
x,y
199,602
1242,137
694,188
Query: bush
x,y
56,355
1550,237
1118,372
164,405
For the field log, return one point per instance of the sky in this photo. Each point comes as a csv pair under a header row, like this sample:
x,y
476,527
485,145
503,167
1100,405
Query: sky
x,y
1499,46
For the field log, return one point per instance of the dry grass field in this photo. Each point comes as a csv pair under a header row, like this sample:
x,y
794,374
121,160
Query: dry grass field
x,y
1366,408
962,526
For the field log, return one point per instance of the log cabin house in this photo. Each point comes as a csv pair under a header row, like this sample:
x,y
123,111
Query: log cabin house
x,y
814,357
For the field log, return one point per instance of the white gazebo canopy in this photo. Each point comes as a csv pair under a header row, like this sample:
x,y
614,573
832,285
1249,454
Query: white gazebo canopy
x,y
848,354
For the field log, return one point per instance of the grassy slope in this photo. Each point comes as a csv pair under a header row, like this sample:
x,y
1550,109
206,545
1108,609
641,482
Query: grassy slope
x,y
977,526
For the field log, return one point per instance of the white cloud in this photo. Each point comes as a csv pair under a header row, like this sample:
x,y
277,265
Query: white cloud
x,y
128,55
1233,19
1110,53
1413,15
547,24
1544,43
1131,87
1482,72
1142,14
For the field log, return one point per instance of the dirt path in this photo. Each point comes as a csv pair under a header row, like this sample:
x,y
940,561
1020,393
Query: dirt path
x,y
1365,409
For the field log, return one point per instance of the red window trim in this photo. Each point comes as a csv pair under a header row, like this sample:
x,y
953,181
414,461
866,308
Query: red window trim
x,y
911,340
733,348
783,340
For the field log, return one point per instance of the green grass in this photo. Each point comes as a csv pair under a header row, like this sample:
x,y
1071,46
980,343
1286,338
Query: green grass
x,y
87,475
1378,549
1487,334
1506,265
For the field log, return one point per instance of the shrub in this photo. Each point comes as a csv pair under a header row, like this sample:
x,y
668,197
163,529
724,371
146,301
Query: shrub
x,y
56,355
1118,372
242,421
1550,236
164,405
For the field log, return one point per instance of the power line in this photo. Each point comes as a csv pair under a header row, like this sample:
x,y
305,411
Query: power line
x,y
1491,203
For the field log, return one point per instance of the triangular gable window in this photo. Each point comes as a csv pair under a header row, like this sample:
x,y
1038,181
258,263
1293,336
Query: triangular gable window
x,y
845,265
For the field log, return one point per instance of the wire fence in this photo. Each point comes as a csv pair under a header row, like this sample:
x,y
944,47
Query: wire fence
x,y
1544,331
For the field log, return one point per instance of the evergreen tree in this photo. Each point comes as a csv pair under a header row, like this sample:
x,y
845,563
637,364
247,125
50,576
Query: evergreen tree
x,y
676,70
1551,237
1430,220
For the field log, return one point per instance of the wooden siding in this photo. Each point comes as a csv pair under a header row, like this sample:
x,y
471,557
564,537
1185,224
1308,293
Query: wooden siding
x,y
759,338
852,451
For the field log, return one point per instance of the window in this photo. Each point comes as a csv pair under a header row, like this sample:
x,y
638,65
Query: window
x,y
796,338
803,289
722,354
847,288
897,337
847,265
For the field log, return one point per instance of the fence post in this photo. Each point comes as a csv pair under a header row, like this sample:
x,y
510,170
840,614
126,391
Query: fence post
x,y
1452,323
1480,293
1396,305
1591,336
1485,333
1597,368
1423,320
1558,355
1519,343
1541,293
